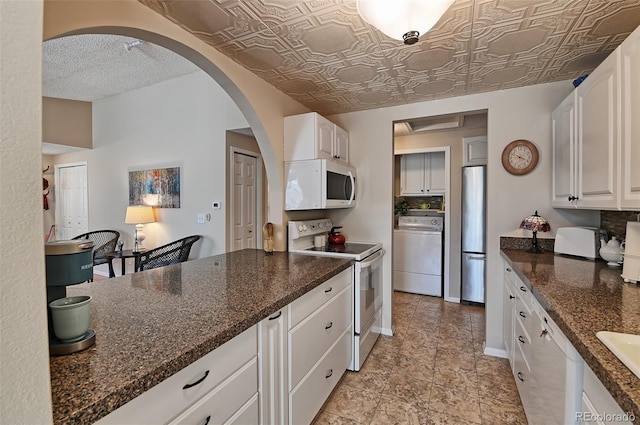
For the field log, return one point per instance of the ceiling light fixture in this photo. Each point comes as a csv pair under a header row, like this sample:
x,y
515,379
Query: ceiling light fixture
x,y
403,19
134,43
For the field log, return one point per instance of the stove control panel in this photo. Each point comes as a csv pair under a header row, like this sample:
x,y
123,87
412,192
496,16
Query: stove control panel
x,y
300,229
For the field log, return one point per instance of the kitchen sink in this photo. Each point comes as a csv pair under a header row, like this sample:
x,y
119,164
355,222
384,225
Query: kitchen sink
x,y
626,347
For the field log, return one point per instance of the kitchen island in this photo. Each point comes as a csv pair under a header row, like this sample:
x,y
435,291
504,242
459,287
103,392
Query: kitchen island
x,y
584,297
152,324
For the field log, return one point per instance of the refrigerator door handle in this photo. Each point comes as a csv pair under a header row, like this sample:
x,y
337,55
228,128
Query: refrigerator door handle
x,y
482,258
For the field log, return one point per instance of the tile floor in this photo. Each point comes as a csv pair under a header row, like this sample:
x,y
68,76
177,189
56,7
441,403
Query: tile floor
x,y
432,371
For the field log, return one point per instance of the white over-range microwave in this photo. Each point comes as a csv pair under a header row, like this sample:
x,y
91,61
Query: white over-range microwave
x,y
319,184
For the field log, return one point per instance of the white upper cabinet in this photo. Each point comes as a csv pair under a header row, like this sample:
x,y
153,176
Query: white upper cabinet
x,y
595,136
629,73
563,125
474,150
311,136
598,136
422,174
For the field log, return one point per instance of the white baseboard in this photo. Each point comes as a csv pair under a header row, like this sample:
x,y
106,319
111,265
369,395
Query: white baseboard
x,y
495,352
452,299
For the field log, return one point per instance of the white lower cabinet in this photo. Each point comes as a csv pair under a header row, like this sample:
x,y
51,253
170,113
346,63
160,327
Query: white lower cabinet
x,y
554,383
598,407
279,371
213,389
306,399
320,345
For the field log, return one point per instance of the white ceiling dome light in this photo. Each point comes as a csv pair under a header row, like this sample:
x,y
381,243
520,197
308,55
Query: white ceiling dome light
x,y
403,19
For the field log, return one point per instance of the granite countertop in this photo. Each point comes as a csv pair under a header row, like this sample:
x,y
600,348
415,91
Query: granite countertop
x,y
584,297
151,324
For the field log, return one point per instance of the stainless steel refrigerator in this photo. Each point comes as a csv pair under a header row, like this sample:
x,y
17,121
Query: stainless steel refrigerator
x,y
474,196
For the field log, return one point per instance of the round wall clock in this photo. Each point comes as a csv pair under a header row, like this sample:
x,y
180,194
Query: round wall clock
x,y
520,157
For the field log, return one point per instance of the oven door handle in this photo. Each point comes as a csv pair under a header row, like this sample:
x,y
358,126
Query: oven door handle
x,y
372,259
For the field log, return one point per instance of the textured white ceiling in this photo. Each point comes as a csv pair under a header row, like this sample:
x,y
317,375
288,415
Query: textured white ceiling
x,y
94,66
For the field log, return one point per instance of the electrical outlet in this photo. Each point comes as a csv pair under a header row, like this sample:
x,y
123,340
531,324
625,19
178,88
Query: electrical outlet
x,y
201,218
216,205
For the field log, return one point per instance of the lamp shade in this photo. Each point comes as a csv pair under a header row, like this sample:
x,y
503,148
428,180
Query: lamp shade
x,y
139,215
535,223
398,18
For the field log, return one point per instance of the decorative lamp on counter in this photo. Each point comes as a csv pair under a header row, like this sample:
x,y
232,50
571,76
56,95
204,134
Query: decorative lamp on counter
x,y
403,19
536,224
139,215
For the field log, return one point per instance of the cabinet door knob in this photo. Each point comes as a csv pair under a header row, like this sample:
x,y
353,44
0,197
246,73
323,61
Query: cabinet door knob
x,y
509,269
511,297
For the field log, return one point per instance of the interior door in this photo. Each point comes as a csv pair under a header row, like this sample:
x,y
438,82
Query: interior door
x,y
244,201
72,209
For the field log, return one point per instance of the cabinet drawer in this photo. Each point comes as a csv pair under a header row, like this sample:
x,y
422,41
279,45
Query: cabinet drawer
x,y
524,315
308,303
308,397
169,398
523,293
224,400
523,341
313,336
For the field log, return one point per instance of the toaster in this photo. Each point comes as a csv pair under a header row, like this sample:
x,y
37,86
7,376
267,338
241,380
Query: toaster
x,y
578,241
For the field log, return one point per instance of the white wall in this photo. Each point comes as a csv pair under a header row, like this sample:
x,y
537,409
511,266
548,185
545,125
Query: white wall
x,y
523,113
182,121
25,396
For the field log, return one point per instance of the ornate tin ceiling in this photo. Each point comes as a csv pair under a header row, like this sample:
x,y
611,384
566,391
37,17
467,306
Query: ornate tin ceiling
x,y
324,55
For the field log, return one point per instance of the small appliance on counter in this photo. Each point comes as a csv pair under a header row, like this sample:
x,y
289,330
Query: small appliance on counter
x,y
578,241
68,263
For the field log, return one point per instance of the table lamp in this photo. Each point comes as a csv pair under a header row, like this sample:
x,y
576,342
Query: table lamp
x,y
536,224
139,215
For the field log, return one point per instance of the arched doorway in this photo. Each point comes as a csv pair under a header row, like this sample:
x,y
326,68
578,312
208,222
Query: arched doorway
x,y
262,105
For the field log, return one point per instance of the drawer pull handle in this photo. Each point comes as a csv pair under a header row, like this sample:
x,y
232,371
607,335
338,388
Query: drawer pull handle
x,y
206,422
545,320
199,381
523,289
543,333
330,374
276,316
519,375
326,291
511,297
524,316
329,325
521,339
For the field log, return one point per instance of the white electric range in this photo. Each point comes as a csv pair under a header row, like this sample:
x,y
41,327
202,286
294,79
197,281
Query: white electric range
x,y
367,279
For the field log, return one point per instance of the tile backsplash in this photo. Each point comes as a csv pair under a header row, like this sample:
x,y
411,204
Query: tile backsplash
x,y
615,222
